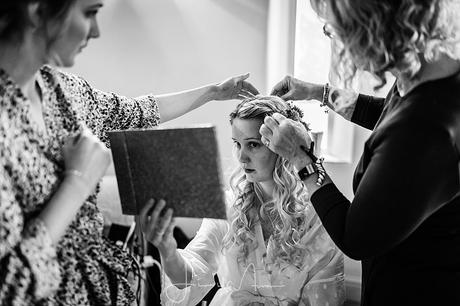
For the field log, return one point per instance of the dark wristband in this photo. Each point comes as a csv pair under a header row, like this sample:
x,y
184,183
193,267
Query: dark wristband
x,y
315,167
306,171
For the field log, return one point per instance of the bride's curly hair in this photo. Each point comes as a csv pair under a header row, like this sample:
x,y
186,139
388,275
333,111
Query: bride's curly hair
x,y
287,208
385,35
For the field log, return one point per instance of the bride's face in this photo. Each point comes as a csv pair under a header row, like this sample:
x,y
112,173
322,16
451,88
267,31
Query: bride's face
x,y
257,161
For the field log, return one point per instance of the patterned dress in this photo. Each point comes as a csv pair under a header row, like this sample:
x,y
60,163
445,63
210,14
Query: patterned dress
x,y
83,268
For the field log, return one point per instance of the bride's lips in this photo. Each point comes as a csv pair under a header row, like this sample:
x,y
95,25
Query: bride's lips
x,y
248,170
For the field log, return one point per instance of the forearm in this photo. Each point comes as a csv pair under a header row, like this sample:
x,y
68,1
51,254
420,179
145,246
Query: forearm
x,y
174,105
177,270
63,206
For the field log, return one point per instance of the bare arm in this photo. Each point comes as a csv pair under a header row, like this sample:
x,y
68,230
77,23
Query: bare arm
x,y
159,231
105,111
174,105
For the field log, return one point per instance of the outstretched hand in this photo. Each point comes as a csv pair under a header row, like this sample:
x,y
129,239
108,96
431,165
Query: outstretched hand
x,y
236,88
285,137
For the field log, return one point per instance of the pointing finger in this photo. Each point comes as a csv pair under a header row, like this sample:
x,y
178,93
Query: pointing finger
x,y
288,95
266,132
271,123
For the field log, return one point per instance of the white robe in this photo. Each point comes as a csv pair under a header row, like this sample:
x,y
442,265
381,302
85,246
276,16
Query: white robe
x,y
319,282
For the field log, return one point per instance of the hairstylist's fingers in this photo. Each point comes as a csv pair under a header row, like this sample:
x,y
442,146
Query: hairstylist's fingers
x,y
278,117
265,132
289,95
281,87
278,90
271,123
265,141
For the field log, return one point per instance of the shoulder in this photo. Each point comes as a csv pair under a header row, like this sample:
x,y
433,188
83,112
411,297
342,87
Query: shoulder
x,y
68,81
427,116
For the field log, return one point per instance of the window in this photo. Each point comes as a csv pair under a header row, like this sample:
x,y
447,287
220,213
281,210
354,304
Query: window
x,y
311,59
312,54
297,46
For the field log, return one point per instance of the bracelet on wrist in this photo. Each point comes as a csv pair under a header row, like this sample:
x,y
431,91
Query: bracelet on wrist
x,y
316,166
321,172
325,98
73,172
77,174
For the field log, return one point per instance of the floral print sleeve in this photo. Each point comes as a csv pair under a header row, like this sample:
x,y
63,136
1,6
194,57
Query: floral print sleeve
x,y
29,268
103,112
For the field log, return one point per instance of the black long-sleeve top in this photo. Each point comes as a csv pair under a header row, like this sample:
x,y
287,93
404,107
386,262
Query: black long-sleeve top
x,y
404,220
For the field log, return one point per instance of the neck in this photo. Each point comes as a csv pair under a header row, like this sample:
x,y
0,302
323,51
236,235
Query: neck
x,y
266,190
441,68
22,60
